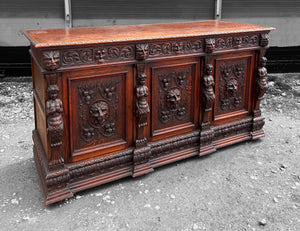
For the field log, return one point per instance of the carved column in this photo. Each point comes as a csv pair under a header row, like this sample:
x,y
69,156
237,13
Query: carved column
x,y
55,125
260,90
208,99
142,151
56,175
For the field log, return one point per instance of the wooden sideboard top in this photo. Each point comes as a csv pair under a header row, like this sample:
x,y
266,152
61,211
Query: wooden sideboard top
x,y
97,35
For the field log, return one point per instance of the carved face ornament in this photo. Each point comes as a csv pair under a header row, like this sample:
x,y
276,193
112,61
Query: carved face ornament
x,y
52,91
51,59
99,112
173,98
142,51
232,87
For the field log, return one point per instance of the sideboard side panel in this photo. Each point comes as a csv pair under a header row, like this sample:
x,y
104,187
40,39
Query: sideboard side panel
x,y
39,95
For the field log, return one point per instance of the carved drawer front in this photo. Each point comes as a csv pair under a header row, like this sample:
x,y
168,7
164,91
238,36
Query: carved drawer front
x,y
173,88
232,86
100,112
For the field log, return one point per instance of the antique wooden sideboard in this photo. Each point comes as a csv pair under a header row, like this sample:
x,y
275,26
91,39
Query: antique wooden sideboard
x,y
112,102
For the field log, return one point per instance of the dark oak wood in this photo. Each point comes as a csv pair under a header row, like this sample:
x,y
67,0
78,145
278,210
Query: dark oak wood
x,y
113,102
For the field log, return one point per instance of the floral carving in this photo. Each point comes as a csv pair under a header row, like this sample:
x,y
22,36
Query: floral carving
x,y
174,90
98,108
86,93
109,128
108,90
51,60
88,134
231,84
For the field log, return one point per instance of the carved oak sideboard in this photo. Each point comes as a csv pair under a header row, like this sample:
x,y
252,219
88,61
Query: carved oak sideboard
x,y
112,102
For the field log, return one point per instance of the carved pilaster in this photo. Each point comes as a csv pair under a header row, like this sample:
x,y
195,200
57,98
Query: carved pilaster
x,y
55,125
260,89
207,134
142,151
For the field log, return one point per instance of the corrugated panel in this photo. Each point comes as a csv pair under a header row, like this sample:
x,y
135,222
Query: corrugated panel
x,y
18,15
139,9
32,8
260,8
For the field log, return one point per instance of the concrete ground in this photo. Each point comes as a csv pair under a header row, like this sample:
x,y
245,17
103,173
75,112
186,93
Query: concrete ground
x,y
254,185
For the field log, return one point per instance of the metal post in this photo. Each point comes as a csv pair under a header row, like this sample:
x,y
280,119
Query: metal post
x,y
218,9
68,14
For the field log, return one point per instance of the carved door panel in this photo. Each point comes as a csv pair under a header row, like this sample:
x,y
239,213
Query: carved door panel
x,y
100,108
174,103
233,86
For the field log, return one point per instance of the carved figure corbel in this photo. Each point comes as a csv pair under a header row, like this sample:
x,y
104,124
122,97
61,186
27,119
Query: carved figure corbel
x,y
207,134
208,92
55,126
142,107
261,82
261,88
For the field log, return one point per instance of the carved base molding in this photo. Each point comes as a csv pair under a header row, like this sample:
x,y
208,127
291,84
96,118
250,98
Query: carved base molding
x,y
74,177
53,183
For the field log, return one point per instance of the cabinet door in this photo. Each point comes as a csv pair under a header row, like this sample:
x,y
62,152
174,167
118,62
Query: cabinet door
x,y
175,97
100,111
233,87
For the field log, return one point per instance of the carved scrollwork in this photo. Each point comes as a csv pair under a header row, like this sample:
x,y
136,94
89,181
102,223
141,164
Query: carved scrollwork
x,y
51,60
72,57
113,53
177,47
236,42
